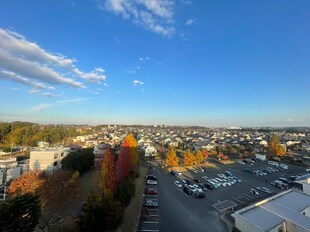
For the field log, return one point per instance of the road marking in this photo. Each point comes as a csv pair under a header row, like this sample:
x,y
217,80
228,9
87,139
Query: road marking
x,y
245,197
148,230
181,191
249,195
150,222
237,199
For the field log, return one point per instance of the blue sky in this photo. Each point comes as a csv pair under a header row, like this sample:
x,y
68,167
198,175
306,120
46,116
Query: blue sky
x,y
176,62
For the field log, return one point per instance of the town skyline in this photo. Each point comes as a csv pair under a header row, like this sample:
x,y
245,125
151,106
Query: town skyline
x,y
172,62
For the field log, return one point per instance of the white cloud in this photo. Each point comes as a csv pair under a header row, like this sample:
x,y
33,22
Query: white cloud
x,y
153,15
137,82
40,107
26,62
189,22
143,59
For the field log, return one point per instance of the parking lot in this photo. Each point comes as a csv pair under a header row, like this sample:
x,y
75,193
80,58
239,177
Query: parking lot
x,y
180,211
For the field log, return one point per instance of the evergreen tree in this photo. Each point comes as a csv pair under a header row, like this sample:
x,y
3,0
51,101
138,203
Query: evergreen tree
x,y
21,213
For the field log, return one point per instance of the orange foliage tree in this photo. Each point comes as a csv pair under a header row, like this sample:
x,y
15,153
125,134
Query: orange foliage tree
x,y
171,158
199,157
274,146
131,142
189,158
30,182
60,187
123,165
205,153
108,176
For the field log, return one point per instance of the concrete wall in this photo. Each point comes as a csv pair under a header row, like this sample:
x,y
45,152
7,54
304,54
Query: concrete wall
x,y
306,188
12,173
1,177
294,228
47,159
276,229
244,225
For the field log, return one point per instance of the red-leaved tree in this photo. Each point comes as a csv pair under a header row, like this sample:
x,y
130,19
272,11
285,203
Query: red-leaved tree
x,y
108,176
123,165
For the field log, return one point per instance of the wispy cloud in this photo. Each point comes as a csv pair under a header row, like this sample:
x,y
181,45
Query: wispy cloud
x,y
27,63
40,108
137,82
143,59
189,22
153,15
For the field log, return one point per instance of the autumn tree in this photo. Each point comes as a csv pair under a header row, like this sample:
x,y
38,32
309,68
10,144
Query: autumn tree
x,y
123,165
199,157
205,153
60,187
189,158
172,159
132,144
274,146
21,213
213,152
30,182
108,176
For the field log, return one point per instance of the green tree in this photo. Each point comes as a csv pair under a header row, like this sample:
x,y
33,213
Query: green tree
x,y
80,161
21,213
171,158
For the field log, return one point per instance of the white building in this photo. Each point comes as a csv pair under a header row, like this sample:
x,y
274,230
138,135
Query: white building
x,y
150,151
286,212
47,159
261,157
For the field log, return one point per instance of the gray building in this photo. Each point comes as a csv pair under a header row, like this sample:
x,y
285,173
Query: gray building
x,y
287,211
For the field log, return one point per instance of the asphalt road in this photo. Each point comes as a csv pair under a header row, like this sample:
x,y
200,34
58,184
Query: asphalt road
x,y
181,212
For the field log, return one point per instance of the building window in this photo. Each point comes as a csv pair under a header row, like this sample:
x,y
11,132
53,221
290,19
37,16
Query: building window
x,y
62,154
280,229
55,156
55,163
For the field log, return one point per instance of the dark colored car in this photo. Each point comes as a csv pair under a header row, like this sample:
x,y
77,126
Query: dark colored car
x,y
199,195
152,191
151,177
209,186
203,187
197,181
187,190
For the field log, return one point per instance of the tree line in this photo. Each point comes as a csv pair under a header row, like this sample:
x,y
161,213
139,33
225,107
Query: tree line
x,y
27,134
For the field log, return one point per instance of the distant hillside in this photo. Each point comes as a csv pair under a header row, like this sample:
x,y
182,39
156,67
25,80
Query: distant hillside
x,y
27,134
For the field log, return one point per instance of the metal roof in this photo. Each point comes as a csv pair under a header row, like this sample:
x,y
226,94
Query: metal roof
x,y
286,207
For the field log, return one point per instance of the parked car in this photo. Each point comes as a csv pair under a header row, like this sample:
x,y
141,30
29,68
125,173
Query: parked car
x,y
284,166
197,181
203,187
152,191
151,177
284,180
209,186
184,182
264,189
199,195
227,173
151,204
178,184
205,178
187,190
151,182
240,162
254,191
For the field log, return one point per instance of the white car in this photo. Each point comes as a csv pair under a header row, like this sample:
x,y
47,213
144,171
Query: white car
x,y
254,192
178,184
308,170
197,188
192,188
151,182
205,178
264,189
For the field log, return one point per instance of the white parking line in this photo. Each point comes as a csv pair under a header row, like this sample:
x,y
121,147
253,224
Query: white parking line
x,y
237,199
150,222
148,230
246,197
249,195
181,191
